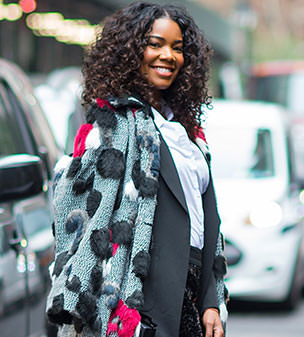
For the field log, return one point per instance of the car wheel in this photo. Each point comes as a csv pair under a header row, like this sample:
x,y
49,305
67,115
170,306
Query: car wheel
x,y
295,293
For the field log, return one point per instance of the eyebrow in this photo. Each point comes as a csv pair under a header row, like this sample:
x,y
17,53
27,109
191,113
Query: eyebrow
x,y
161,38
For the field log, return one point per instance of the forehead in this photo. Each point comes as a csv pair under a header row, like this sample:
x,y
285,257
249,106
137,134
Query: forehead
x,y
166,28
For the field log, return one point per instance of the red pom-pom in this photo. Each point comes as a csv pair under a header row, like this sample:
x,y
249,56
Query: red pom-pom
x,y
127,321
79,144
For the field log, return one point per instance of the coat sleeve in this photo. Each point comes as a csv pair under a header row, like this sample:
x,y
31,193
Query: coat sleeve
x,y
216,295
210,298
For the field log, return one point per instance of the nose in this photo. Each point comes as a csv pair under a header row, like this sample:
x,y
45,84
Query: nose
x,y
167,54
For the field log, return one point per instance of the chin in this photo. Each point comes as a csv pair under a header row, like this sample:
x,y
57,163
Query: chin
x,y
162,86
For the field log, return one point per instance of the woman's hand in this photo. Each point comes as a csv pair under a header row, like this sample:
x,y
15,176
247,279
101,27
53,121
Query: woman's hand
x,y
212,323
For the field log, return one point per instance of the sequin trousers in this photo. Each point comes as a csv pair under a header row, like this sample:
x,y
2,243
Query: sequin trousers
x,y
190,325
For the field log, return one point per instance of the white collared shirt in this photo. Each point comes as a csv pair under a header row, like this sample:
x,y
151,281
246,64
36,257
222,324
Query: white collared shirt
x,y
192,170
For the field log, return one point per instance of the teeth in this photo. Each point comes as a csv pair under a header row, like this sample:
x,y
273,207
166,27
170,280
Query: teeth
x,y
163,70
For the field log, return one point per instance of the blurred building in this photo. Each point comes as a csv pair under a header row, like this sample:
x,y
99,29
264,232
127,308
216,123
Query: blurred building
x,y
39,42
278,25
281,15
42,35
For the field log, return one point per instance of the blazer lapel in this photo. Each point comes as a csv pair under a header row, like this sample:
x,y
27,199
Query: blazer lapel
x,y
170,175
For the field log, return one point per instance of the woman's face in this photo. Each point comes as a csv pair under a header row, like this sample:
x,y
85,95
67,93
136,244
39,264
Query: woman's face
x,y
163,56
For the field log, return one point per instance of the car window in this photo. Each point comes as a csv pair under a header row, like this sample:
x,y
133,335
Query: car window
x,y
245,153
4,245
18,112
11,140
35,220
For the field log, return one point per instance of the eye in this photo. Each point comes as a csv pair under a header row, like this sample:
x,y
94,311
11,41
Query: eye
x,y
154,44
178,49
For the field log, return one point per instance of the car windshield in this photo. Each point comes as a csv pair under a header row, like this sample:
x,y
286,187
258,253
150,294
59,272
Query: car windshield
x,y
241,153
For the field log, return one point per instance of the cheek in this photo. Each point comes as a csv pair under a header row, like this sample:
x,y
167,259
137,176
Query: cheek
x,y
148,56
180,61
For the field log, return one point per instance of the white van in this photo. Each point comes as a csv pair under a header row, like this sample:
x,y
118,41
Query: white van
x,y
258,200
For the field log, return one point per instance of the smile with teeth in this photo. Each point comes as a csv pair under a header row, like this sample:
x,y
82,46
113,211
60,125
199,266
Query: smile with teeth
x,y
163,70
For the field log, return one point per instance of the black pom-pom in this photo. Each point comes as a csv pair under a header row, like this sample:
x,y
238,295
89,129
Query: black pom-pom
x,y
121,232
122,111
105,117
111,163
79,186
82,185
96,280
56,314
100,241
136,174
97,325
58,302
90,181
136,300
141,264
60,262
78,324
86,306
74,167
93,202
90,114
148,186
109,251
74,285
220,266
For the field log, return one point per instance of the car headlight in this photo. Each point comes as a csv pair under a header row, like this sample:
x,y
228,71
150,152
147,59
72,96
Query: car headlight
x,y
21,262
266,214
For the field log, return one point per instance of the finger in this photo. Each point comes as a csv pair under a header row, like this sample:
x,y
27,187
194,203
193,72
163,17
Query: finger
x,y
218,332
209,329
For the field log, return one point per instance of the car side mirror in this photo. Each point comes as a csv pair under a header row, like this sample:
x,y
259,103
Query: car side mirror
x,y
21,176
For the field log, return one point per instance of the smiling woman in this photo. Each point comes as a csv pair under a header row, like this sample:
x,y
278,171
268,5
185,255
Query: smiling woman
x,y
135,206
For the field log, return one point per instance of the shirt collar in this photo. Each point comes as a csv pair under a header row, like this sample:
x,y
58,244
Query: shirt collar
x,y
159,118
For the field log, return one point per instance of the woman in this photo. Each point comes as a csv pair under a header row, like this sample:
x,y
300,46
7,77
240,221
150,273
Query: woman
x,y
136,224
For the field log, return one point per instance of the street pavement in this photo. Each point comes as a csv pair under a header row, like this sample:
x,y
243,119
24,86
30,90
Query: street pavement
x,y
256,321
244,321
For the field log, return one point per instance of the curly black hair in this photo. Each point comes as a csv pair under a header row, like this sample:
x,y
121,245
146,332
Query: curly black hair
x,y
111,66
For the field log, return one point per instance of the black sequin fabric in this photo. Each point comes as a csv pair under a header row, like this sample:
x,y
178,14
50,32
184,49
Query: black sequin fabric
x,y
190,325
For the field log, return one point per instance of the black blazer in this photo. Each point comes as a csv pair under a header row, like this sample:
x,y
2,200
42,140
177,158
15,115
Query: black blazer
x,y
165,284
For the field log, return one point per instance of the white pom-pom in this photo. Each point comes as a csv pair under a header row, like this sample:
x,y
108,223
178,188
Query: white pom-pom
x,y
106,267
62,163
130,190
223,312
51,268
137,330
93,139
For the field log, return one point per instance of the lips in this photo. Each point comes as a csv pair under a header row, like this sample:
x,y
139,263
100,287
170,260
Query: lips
x,y
164,71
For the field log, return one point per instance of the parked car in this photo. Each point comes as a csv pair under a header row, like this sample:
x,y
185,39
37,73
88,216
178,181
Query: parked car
x,y
21,177
282,81
60,97
258,199
25,218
